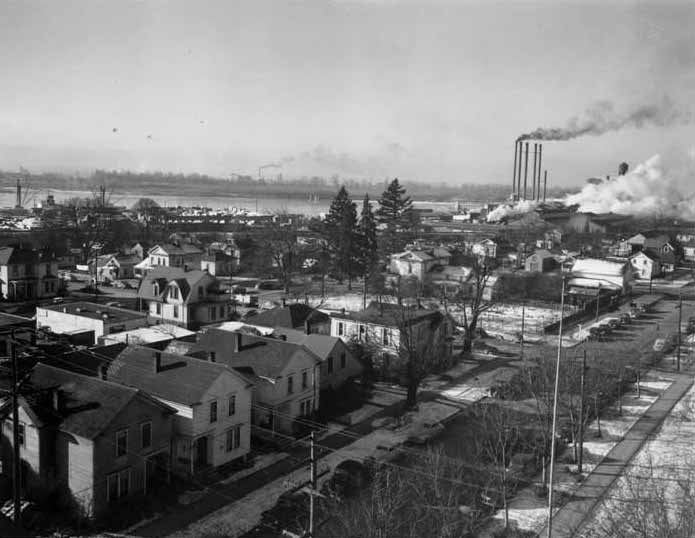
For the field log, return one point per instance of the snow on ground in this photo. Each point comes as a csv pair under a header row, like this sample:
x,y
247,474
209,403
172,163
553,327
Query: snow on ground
x,y
242,515
528,511
668,451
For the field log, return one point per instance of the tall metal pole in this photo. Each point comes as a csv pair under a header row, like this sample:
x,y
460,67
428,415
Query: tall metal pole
x,y
516,155
554,428
680,316
540,160
16,456
533,182
525,170
312,493
581,414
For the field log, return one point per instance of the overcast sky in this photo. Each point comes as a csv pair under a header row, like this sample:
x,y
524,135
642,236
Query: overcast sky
x,y
429,90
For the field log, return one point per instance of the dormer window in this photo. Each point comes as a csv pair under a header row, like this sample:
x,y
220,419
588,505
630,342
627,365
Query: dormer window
x,y
155,289
174,292
201,291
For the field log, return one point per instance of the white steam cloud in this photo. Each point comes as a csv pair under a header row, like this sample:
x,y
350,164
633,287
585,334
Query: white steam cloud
x,y
648,190
510,211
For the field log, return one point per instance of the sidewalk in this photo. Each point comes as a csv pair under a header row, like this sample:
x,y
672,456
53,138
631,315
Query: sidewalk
x,y
570,517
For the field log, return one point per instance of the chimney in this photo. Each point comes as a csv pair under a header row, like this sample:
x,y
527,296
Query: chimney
x,y
236,348
533,178
283,337
284,302
103,369
516,155
545,183
307,327
538,180
58,400
525,170
157,361
342,311
212,356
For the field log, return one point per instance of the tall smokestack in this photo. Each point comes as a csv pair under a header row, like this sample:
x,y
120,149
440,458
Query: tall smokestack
x,y
545,183
525,170
540,161
518,180
18,205
516,152
533,179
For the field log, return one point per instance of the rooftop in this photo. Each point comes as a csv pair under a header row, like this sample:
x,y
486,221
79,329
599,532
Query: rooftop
x,y
292,316
96,311
389,314
150,335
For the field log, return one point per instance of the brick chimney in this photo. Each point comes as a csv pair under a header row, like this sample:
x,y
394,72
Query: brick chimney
x,y
307,327
58,400
212,356
237,345
157,363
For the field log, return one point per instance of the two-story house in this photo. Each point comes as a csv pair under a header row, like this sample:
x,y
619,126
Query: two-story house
x,y
28,274
645,266
418,263
212,426
179,254
186,298
487,248
394,330
286,376
218,263
99,440
297,316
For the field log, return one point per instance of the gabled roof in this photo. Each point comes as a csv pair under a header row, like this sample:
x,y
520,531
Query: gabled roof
x,y
14,255
90,404
322,345
292,316
181,379
391,315
163,276
264,356
177,249
592,266
543,253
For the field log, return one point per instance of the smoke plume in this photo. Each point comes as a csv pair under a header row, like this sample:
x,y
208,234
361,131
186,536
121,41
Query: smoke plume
x,y
510,211
602,117
647,190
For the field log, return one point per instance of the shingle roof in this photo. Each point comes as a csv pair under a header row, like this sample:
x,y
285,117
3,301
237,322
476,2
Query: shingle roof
x,y
13,255
320,344
291,316
585,266
180,379
266,357
390,315
182,248
186,281
90,404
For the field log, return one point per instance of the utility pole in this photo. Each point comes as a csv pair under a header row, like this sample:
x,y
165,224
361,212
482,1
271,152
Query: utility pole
x,y
312,492
16,456
555,402
523,321
580,458
680,316
598,299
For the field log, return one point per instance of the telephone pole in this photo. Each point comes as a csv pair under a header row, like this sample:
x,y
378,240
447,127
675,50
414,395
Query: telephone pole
x,y
523,322
580,458
16,456
680,316
312,492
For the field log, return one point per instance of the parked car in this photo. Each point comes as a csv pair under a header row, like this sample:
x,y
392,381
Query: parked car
x,y
614,323
625,319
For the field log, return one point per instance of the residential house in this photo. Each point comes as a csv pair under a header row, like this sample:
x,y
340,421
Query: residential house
x,y
620,249
394,330
656,243
418,262
212,426
286,376
112,267
298,316
589,276
101,441
338,365
540,261
486,248
28,274
83,317
179,254
218,263
688,251
229,248
645,266
186,298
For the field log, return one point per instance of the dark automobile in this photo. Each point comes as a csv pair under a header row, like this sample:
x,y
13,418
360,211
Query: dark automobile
x,y
625,319
349,477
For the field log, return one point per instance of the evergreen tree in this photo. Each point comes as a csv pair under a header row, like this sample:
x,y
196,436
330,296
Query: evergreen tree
x,y
342,236
395,209
369,249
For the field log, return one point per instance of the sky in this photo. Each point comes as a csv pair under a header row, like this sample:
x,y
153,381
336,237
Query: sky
x,y
430,90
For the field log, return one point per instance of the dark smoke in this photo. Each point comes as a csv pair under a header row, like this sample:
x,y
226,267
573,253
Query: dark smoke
x,y
602,118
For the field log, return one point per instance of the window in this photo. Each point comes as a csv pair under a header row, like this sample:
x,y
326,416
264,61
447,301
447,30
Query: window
x,y
174,292
329,365
201,291
176,311
363,332
221,311
290,384
146,435
158,309
341,329
213,411
306,407
233,438
211,313
385,336
305,379
121,443
343,360
117,485
21,433
155,289
231,405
